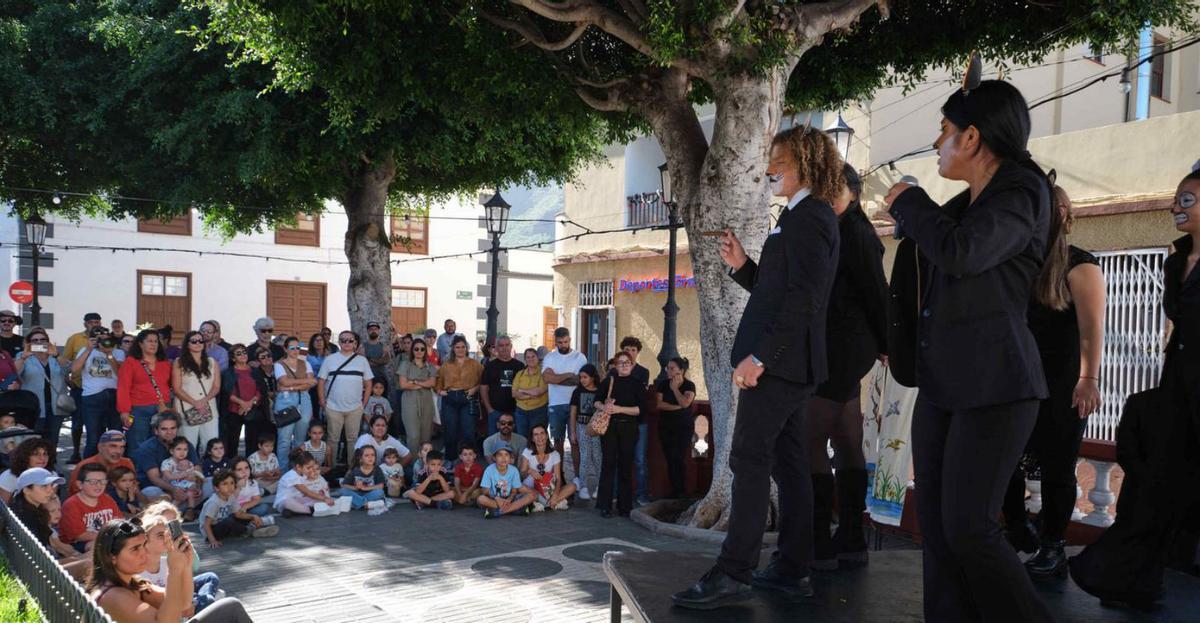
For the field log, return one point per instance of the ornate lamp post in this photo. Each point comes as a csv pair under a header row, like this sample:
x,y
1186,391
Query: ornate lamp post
x,y
496,212
841,134
35,233
670,309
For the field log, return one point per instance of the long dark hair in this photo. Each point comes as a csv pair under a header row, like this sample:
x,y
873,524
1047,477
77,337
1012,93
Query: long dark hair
x,y
533,444
109,543
1050,288
324,344
454,342
854,184
135,351
1000,113
36,518
358,454
188,363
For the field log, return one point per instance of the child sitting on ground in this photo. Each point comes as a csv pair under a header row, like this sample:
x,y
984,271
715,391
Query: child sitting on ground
x,y
434,488
377,404
418,466
503,492
183,474
318,448
364,480
249,495
302,487
264,465
393,471
466,476
214,459
65,553
223,517
123,487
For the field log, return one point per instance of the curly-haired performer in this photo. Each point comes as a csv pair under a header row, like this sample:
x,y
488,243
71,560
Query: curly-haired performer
x,y
779,359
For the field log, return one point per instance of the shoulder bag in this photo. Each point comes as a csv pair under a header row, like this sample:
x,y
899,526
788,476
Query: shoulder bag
x,y
287,415
598,425
191,415
162,402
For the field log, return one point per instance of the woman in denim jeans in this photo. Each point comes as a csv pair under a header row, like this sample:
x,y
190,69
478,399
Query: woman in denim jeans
x,y
44,376
294,379
457,384
140,396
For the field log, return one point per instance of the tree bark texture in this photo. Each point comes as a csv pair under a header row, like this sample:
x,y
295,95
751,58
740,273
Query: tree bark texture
x,y
368,248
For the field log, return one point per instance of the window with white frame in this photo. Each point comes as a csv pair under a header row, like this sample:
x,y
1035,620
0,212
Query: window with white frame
x,y
596,294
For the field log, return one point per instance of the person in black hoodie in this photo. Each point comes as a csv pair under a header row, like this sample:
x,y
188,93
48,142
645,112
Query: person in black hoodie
x,y
977,365
855,336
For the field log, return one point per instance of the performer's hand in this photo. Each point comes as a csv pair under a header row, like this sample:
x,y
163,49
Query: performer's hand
x,y
732,251
897,188
745,375
1086,397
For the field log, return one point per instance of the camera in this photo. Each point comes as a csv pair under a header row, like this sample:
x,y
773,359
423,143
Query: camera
x,y
107,342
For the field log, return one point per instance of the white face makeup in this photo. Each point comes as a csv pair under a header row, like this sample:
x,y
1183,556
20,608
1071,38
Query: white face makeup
x,y
776,183
1181,211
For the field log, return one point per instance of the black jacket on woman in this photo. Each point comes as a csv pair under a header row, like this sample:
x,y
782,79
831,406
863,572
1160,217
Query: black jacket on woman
x,y
973,345
262,411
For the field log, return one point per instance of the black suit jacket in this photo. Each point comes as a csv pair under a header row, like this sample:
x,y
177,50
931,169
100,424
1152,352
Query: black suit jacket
x,y
784,321
974,347
857,329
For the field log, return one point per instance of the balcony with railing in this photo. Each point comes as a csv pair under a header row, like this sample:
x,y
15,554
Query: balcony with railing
x,y
645,210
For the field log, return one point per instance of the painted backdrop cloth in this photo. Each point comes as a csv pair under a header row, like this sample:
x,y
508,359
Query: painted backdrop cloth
x,y
887,444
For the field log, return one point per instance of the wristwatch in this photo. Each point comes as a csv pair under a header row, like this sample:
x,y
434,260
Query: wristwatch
x,y
755,360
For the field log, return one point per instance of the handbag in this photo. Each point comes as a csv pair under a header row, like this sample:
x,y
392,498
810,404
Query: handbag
x,y
192,415
598,425
290,414
65,403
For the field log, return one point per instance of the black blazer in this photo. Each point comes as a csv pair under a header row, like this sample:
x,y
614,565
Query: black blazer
x,y
974,347
1181,303
858,300
784,321
229,381
910,277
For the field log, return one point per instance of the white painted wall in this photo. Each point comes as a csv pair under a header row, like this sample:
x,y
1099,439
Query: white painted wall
x,y
529,278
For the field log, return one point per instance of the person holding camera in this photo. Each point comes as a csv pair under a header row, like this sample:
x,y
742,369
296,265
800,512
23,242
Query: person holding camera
x,y
97,366
41,374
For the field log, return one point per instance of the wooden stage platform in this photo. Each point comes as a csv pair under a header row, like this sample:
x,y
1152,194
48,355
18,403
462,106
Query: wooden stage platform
x,y
887,590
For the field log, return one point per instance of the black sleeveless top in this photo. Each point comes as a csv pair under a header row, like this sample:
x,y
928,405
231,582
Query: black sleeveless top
x,y
1057,334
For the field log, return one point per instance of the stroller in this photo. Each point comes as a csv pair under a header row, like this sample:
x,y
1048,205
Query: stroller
x,y
23,405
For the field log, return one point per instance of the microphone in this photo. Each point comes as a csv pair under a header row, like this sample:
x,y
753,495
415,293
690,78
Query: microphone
x,y
911,180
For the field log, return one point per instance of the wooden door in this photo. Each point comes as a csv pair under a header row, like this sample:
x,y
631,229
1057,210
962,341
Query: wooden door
x,y
410,308
165,298
549,324
297,307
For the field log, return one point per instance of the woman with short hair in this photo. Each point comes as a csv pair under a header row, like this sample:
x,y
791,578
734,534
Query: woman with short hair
x,y
42,374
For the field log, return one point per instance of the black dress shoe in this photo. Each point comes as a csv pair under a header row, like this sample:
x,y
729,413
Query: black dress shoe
x,y
1050,560
715,589
1023,536
773,579
604,512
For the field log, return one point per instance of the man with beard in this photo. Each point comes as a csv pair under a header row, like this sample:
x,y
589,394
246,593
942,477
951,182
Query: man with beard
x,y
560,370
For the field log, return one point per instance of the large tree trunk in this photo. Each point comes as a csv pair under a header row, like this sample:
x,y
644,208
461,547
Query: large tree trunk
x,y
368,248
722,185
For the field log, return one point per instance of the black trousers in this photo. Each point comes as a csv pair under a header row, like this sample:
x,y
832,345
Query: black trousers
x,y
769,440
617,446
675,430
230,526
963,461
1054,445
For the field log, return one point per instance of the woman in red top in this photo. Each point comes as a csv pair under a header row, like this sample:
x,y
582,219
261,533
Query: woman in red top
x,y
143,387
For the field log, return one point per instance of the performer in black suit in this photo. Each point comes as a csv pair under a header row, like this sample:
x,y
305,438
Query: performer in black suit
x,y
778,358
855,335
978,368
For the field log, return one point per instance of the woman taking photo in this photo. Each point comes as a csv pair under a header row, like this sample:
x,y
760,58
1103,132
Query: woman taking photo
x,y
457,384
530,393
121,553
143,386
417,378
855,336
620,396
588,455
245,391
978,368
675,396
1067,320
196,379
294,379
43,375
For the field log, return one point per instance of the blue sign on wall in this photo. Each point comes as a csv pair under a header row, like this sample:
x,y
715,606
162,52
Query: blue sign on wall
x,y
654,284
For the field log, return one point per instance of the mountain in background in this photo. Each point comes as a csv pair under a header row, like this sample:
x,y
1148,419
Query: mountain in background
x,y
532,203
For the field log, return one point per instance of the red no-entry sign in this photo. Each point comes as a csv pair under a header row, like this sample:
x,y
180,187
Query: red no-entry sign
x,y
21,292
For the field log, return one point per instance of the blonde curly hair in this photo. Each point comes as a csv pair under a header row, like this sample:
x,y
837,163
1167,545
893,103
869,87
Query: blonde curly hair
x,y
819,162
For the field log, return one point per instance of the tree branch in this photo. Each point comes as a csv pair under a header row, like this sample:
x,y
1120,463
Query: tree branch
x,y
635,9
610,103
727,17
532,34
819,18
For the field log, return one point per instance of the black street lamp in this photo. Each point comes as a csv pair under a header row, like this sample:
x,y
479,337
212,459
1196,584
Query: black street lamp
x,y
35,233
670,309
496,211
841,134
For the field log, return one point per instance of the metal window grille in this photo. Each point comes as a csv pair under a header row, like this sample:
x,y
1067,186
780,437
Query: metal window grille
x,y
1134,331
59,595
596,294
645,209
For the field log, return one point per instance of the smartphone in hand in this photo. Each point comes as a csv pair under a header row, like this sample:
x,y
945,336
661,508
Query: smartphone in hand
x,y
176,528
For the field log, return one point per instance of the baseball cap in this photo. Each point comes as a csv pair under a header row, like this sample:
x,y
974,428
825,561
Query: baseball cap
x,y
112,435
503,447
38,476
372,324
91,316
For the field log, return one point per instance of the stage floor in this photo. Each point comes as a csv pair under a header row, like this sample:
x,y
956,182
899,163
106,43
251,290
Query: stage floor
x,y
887,590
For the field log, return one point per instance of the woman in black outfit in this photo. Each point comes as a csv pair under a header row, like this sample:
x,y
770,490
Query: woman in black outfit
x,y
1066,317
855,336
1158,445
978,369
622,398
675,396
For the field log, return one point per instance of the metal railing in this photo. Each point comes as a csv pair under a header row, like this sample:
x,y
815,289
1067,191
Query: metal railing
x,y
60,597
645,209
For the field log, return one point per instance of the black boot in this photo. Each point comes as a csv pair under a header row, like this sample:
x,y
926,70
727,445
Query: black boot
x,y
825,556
715,589
850,539
1050,559
1022,535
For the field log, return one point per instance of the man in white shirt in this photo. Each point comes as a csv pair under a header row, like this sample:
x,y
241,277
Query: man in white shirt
x,y
560,370
343,390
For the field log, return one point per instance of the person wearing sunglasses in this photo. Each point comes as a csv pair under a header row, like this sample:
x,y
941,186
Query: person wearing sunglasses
x,y
246,396
10,342
42,374
417,377
294,379
264,331
196,380
343,390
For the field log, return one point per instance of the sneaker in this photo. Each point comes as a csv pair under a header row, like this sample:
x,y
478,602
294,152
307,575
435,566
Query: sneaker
x,y
445,505
578,482
561,506
264,531
538,507
528,510
489,513
583,493
643,500
269,520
